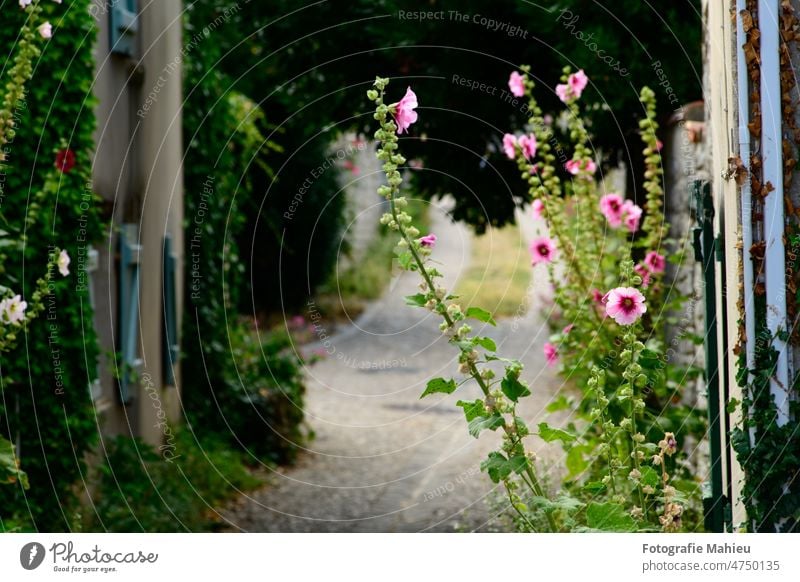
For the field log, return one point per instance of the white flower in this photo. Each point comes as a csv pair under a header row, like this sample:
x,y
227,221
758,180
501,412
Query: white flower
x,y
13,310
24,3
63,263
46,30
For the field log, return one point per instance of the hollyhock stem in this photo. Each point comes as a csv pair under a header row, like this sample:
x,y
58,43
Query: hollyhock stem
x,y
529,475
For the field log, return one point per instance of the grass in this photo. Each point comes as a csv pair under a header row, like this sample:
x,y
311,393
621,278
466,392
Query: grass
x,y
500,273
138,491
352,287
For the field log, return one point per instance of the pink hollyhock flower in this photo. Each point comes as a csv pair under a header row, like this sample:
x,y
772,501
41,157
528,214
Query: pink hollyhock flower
x,y
625,305
63,263
597,296
550,353
510,146
564,93
611,207
13,309
538,208
404,112
298,321
655,262
528,145
428,240
631,214
568,329
548,119
516,84
46,30
644,273
577,83
575,167
65,160
543,249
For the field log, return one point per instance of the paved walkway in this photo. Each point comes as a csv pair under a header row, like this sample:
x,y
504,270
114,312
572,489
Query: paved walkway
x,y
384,460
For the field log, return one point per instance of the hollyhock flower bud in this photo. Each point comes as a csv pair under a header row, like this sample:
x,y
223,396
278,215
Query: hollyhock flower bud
x,y
625,305
538,208
428,241
516,84
575,167
550,353
644,274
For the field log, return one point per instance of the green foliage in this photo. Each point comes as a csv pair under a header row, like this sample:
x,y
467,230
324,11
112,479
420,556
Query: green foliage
x,y
768,453
46,401
324,53
138,491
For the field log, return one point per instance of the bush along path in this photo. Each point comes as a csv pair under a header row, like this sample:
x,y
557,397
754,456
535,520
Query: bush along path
x,y
383,459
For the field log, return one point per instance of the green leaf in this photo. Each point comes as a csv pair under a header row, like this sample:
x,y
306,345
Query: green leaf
x,y
650,360
560,403
477,425
575,462
9,472
514,389
518,463
732,405
497,466
609,517
487,343
650,476
595,488
472,410
418,300
480,315
550,434
440,385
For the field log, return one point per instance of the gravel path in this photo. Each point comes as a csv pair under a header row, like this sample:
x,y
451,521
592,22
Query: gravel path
x,y
384,460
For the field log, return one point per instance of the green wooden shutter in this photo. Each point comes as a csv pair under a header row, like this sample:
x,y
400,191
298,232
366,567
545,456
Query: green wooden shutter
x,y
123,27
170,335
128,313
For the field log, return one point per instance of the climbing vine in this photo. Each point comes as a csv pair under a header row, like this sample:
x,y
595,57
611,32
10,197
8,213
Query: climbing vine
x,y
769,451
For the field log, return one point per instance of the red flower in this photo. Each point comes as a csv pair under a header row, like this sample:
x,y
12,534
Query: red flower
x,y
65,160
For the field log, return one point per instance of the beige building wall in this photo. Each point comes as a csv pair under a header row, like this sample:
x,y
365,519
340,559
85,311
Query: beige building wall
x,y
722,127
138,173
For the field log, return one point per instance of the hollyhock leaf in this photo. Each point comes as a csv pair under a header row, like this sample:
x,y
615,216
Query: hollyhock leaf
x,y
575,462
649,359
609,517
518,463
594,488
497,466
514,389
472,410
439,385
480,315
550,434
560,403
486,343
418,300
478,425
649,476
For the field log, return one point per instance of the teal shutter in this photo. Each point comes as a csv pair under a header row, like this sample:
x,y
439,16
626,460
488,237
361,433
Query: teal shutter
x,y
123,27
170,335
128,313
